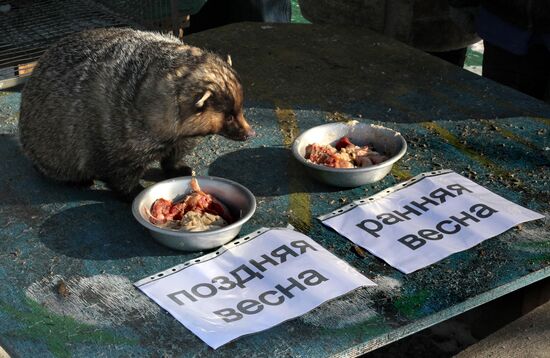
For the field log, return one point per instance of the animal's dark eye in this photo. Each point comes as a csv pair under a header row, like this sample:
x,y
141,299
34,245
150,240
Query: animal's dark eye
x,y
230,118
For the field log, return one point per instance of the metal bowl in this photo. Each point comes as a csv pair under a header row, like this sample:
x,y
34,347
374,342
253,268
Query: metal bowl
x,y
240,201
384,140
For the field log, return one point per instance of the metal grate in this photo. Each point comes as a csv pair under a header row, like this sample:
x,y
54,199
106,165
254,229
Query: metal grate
x,y
28,28
153,14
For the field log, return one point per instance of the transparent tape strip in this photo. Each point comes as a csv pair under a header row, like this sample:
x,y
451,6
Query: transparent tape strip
x,y
383,193
220,251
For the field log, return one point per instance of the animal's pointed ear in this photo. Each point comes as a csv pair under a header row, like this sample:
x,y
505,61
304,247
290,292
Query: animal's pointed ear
x,y
229,60
205,96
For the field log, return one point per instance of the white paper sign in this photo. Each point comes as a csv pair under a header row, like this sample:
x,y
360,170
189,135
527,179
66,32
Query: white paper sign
x,y
251,284
417,223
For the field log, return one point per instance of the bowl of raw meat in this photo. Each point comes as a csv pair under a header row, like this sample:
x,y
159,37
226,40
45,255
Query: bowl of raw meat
x,y
349,154
194,213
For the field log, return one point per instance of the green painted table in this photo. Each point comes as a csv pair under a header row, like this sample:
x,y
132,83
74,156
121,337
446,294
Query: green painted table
x,y
68,256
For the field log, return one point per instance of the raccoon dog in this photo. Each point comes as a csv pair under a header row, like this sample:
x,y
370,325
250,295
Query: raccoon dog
x,y
104,104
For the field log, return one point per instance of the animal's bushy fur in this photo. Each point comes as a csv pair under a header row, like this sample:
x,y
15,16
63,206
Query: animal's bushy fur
x,y
104,104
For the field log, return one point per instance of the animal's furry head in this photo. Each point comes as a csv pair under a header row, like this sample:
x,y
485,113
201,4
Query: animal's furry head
x,y
208,97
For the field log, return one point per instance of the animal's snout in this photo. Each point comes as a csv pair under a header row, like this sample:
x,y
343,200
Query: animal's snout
x,y
246,134
246,131
238,129
250,133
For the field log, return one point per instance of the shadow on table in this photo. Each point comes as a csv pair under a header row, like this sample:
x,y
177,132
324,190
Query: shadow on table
x,y
24,185
99,231
269,171
74,221
265,171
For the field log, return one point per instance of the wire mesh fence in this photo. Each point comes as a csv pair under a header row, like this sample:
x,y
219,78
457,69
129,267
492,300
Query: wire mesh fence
x,y
28,28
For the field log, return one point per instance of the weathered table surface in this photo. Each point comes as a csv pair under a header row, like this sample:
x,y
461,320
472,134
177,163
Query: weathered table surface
x,y
295,77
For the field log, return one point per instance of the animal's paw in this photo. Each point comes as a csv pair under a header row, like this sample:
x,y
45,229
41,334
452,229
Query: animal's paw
x,y
128,195
181,171
81,184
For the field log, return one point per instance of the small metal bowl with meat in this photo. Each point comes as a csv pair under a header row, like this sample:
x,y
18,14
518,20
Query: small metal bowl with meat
x,y
194,213
349,154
